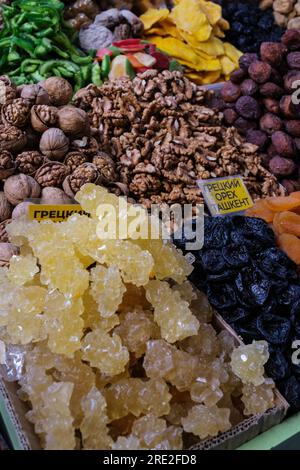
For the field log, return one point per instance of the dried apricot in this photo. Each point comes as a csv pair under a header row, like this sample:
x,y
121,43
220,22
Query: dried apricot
x,y
287,222
291,245
282,203
261,210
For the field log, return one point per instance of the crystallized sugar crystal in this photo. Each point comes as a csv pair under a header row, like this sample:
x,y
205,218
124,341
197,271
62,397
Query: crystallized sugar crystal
x,y
137,396
110,344
63,323
22,269
136,329
53,419
248,362
107,289
172,314
105,352
258,399
93,428
206,421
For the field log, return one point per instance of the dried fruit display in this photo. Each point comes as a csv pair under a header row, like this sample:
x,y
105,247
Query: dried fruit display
x,y
85,362
255,287
261,101
251,23
163,134
284,215
192,33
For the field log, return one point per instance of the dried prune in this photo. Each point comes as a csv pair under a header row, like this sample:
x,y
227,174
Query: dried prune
x,y
225,275
277,366
251,285
236,256
216,232
221,296
213,261
290,389
247,330
274,329
274,262
234,315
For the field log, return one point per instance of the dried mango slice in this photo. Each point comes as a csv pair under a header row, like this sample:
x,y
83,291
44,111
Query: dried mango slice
x,y
153,16
213,47
227,65
189,17
282,203
287,222
179,50
232,53
223,24
296,194
203,78
212,11
217,31
290,244
261,210
170,28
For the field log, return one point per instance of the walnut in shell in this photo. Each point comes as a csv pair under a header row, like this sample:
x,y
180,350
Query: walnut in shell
x,y
59,90
52,195
54,144
5,207
7,164
8,90
29,162
43,117
17,188
3,233
51,174
7,250
74,159
12,138
84,97
85,173
35,94
21,209
16,113
73,121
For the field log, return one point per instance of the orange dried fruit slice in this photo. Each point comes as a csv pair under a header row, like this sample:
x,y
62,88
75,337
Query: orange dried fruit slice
x,y
260,210
296,194
282,203
287,222
290,244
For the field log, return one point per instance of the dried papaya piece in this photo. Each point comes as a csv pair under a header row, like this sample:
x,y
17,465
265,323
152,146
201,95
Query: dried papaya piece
x,y
290,244
261,210
232,53
212,11
287,222
282,203
227,65
296,194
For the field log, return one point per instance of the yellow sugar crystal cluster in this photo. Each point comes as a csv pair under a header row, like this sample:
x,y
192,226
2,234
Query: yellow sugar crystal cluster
x,y
192,33
111,346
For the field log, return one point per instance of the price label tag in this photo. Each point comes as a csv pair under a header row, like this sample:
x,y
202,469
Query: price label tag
x,y
225,195
55,212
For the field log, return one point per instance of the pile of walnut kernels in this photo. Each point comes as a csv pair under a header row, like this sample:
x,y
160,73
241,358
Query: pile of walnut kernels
x,y
149,139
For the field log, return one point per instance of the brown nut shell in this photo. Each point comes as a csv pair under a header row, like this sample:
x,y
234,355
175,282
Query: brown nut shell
x,y
5,207
43,117
34,94
51,174
85,173
73,121
59,90
51,195
3,233
16,113
21,209
54,144
20,187
12,138
7,164
29,162
7,250
74,159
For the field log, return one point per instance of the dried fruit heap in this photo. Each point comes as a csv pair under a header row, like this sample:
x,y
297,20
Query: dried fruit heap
x,y
192,33
116,352
262,101
284,215
286,12
163,137
255,287
250,25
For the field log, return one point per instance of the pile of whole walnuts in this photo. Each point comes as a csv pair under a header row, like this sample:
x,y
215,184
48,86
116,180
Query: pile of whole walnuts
x,y
262,100
150,139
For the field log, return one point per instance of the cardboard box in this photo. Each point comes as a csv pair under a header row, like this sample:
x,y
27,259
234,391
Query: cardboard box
x,y
22,436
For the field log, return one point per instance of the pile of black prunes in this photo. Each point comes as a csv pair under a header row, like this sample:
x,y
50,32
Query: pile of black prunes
x,y
256,289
